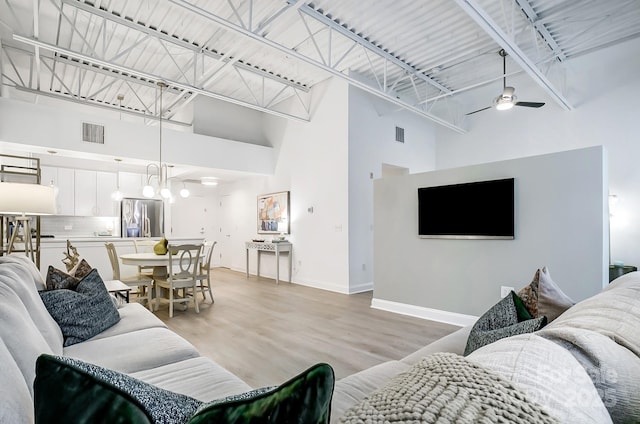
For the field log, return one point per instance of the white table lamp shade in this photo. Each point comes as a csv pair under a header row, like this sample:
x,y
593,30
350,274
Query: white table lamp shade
x,y
27,199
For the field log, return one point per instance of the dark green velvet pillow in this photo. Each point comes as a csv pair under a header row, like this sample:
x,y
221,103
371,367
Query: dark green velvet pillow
x,y
65,393
69,390
305,399
506,318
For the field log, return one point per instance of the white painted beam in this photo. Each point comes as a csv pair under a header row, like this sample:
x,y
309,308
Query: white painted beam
x,y
482,18
140,74
256,37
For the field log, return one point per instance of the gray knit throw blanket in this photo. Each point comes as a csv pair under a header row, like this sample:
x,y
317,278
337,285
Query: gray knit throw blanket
x,y
447,388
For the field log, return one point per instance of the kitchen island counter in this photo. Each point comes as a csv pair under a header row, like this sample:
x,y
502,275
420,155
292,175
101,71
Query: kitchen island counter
x,y
91,248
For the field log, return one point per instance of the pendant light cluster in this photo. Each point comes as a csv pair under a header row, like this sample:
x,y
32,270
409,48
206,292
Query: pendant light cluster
x,y
117,195
159,170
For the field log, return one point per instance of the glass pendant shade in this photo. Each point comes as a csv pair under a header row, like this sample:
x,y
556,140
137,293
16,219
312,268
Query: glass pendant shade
x,y
148,191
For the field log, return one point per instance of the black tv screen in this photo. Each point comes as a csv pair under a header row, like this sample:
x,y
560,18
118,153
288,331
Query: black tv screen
x,y
477,210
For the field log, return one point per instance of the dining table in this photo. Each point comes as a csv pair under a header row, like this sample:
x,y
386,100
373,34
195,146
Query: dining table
x,y
158,262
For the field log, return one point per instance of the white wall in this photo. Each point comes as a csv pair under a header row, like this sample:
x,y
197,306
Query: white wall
x,y
222,119
49,127
312,164
605,89
561,222
372,124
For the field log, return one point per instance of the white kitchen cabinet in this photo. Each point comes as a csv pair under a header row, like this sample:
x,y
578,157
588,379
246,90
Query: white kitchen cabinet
x,y
48,175
85,192
64,182
93,193
94,251
106,184
131,184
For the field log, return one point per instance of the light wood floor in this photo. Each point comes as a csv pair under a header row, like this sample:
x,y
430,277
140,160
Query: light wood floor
x,y
265,333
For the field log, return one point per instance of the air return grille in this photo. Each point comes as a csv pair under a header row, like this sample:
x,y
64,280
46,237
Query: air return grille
x,y
92,133
400,134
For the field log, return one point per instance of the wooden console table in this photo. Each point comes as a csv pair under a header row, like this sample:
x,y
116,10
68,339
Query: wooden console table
x,y
277,248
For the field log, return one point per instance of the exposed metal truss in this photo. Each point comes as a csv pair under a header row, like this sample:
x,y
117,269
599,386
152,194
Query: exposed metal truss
x,y
334,49
426,57
509,44
101,60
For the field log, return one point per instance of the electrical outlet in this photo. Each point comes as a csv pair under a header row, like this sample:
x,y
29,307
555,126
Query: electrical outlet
x,y
505,290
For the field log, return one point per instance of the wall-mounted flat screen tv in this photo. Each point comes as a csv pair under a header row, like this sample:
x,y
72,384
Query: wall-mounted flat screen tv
x,y
476,210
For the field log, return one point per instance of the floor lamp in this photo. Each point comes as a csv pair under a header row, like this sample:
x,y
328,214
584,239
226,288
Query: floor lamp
x,y
24,201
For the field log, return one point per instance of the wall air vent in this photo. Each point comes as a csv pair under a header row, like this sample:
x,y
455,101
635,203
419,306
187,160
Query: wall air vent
x,y
400,135
93,133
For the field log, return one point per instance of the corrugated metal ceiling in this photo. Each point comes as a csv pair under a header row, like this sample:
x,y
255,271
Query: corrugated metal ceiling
x,y
259,53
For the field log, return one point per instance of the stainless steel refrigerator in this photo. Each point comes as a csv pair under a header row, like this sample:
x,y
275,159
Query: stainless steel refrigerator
x,y
142,218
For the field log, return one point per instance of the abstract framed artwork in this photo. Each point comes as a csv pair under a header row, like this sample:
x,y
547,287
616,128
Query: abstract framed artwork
x,y
273,213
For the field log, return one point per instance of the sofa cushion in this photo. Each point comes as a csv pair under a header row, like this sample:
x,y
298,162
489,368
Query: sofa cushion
x,y
506,318
28,269
548,374
116,397
20,334
133,317
84,312
200,378
453,343
543,297
136,351
628,279
613,369
16,406
614,313
447,388
21,277
355,387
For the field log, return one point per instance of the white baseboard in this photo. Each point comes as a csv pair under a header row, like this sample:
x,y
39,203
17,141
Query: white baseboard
x,y
454,318
317,284
360,288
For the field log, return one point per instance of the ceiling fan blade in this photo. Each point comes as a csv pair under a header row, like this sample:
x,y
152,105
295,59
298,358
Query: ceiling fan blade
x,y
530,104
479,110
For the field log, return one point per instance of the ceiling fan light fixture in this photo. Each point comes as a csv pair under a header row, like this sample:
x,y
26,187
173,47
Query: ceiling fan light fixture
x,y
506,100
504,104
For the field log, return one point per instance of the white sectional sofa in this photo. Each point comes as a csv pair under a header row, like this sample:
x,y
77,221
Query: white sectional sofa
x,y
141,345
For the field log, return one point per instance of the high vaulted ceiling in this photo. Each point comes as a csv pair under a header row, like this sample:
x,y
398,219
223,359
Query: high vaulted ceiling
x,y
267,54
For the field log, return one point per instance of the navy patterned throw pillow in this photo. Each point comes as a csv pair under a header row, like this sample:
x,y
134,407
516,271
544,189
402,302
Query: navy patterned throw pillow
x,y
506,318
83,312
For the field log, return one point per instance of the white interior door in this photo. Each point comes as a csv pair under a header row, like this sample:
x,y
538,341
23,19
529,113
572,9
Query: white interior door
x,y
225,230
190,218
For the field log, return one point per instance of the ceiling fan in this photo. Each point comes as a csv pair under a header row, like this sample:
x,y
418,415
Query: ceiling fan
x,y
507,99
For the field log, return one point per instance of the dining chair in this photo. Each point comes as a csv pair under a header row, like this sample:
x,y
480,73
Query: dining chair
x,y
143,284
203,282
183,271
144,246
